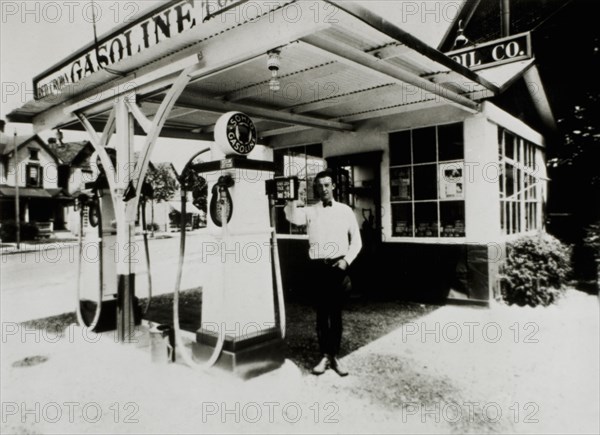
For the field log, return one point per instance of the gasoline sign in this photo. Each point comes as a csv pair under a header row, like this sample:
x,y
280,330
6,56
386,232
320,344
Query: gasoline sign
x,y
235,133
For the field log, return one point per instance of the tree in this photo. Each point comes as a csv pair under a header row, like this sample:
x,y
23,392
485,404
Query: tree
x,y
164,184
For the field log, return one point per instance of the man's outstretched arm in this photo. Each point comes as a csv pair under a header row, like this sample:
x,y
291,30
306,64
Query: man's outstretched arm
x,y
294,214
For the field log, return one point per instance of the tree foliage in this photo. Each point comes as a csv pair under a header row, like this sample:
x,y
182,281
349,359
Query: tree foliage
x,y
163,181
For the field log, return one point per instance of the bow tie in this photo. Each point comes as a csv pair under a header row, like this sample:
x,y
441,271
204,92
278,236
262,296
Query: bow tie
x,y
327,204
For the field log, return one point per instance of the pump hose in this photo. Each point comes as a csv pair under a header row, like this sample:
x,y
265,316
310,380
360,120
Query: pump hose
x,y
80,319
277,272
146,247
178,338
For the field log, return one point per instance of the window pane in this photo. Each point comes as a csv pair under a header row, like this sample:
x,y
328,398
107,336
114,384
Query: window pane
x,y
303,162
425,179
424,145
402,223
501,167
515,217
510,179
400,184
509,145
315,150
400,148
452,218
426,219
450,142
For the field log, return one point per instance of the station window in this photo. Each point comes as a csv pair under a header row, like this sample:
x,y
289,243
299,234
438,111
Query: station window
x,y
34,154
304,162
520,184
426,182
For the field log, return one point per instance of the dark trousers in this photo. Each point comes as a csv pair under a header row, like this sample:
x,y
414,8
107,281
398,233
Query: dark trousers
x,y
329,294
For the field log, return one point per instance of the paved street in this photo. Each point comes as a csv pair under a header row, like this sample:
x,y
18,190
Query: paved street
x,y
42,283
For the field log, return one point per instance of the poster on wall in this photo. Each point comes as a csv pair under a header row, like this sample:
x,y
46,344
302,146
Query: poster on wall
x,y
451,180
400,184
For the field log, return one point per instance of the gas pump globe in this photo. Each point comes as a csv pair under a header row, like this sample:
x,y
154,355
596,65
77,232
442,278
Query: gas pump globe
x,y
238,296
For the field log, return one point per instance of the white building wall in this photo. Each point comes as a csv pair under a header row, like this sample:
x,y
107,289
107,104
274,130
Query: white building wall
x,y
481,182
50,176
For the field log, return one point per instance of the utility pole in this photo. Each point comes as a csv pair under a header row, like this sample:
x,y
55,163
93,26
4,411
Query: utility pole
x,y
505,17
17,214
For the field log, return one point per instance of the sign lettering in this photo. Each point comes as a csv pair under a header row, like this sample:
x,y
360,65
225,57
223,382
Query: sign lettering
x,y
505,50
170,20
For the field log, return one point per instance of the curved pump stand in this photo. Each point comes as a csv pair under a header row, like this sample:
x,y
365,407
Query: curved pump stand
x,y
241,329
99,313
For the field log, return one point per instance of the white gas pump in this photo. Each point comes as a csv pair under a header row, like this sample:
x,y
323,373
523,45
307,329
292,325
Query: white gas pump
x,y
240,331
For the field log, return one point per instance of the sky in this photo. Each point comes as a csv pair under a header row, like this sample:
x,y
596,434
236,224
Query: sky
x,y
34,35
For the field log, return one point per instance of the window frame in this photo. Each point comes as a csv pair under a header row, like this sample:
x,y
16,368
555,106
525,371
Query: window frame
x,y
520,212
295,231
438,200
39,182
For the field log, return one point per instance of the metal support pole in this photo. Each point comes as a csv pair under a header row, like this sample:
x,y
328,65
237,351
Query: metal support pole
x,y
17,210
125,226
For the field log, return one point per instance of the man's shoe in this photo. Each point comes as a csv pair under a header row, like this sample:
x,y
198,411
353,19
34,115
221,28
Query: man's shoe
x,y
338,367
320,368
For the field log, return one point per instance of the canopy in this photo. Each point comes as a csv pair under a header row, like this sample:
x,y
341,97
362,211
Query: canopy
x,y
340,63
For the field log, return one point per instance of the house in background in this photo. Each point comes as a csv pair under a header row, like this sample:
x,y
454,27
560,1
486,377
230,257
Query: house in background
x,y
167,214
34,169
75,169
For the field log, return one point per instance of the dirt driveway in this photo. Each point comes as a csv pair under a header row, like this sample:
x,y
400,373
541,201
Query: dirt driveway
x,y
453,370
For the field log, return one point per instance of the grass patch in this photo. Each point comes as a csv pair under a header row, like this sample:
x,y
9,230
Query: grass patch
x,y
52,324
364,321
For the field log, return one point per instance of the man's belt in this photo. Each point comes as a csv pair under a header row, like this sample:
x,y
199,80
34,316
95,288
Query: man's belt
x,y
328,261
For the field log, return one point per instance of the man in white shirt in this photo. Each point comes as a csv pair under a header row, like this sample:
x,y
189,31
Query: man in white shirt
x,y
334,242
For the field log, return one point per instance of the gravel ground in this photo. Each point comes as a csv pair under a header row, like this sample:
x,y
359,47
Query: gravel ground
x,y
414,369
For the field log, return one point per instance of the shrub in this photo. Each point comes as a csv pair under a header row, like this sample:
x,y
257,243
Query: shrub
x,y
8,231
535,271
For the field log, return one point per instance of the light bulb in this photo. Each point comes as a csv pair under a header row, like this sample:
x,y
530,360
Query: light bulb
x,y
274,84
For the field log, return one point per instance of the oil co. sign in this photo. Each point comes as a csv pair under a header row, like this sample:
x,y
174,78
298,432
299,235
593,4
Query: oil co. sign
x,y
171,19
499,51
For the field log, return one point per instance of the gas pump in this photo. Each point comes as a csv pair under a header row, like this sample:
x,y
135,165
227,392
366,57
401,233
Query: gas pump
x,y
242,329
98,255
